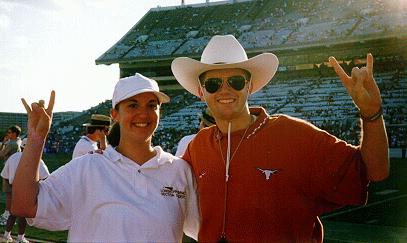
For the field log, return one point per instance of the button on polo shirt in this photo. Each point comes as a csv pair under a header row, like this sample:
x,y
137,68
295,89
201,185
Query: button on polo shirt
x,y
103,198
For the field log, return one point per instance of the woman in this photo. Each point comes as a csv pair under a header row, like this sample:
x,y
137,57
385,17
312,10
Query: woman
x,y
133,192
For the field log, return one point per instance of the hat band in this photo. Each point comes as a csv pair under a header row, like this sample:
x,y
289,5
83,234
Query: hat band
x,y
99,123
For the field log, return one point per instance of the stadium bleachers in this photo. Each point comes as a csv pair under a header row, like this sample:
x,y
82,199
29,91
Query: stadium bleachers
x,y
257,24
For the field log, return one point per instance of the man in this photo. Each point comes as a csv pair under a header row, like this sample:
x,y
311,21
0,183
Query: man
x,y
267,178
11,144
206,120
96,132
8,174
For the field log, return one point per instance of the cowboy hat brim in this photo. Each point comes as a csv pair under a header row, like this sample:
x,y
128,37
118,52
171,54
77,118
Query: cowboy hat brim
x,y
261,67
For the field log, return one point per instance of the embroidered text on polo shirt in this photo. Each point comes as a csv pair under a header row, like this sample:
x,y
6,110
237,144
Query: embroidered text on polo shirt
x,y
169,191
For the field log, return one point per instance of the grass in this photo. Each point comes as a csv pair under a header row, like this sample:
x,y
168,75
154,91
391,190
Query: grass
x,y
35,233
54,161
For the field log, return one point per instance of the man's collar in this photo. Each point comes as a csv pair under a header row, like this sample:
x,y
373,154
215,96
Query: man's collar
x,y
89,139
260,121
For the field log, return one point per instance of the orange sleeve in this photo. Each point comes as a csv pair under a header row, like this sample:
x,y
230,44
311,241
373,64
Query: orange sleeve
x,y
337,173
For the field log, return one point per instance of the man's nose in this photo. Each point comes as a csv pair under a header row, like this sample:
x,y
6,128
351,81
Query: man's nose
x,y
225,86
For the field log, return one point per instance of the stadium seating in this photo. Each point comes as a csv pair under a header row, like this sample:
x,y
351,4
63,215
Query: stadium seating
x,y
322,101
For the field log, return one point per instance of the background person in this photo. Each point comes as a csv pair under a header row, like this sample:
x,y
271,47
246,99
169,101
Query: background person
x,y
265,178
8,174
96,132
131,193
206,120
11,144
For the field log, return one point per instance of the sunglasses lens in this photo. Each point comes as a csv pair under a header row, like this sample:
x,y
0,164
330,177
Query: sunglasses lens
x,y
213,84
237,82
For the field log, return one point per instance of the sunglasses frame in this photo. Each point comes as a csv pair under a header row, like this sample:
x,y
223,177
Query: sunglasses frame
x,y
228,81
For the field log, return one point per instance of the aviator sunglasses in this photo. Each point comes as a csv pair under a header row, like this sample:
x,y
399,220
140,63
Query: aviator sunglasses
x,y
212,85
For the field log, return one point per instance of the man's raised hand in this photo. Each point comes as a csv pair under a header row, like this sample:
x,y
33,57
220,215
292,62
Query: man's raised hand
x,y
361,86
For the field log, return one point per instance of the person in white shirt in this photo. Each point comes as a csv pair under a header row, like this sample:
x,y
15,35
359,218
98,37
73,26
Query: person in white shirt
x,y
206,120
8,174
11,144
131,193
96,132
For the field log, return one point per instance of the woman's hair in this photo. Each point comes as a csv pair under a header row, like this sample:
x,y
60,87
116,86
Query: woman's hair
x,y
113,137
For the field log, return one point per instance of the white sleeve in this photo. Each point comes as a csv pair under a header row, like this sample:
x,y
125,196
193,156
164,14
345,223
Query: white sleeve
x,y
54,208
5,171
180,147
10,167
183,144
44,172
192,219
82,148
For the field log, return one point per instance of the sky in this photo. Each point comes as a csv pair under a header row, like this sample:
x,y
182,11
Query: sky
x,y
52,45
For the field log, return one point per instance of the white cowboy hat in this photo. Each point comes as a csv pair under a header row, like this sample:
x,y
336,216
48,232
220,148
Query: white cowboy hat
x,y
224,51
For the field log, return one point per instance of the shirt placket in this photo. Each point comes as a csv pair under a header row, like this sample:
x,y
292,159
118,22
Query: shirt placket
x,y
140,181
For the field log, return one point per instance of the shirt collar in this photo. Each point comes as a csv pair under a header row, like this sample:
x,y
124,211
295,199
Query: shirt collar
x,y
159,159
262,119
88,139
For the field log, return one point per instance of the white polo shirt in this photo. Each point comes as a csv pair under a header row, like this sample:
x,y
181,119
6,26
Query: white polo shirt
x,y
10,168
110,198
84,146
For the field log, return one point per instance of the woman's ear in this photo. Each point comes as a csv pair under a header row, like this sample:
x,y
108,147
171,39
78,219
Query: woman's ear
x,y
114,113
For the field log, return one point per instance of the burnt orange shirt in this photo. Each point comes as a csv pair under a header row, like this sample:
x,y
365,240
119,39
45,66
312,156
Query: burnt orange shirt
x,y
285,173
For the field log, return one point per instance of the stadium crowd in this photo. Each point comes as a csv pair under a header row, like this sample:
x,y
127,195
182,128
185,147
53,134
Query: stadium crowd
x,y
321,100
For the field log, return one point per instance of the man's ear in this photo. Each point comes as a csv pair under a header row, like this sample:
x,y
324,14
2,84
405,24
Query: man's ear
x,y
201,93
250,87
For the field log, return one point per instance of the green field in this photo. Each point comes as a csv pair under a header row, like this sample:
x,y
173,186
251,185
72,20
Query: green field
x,y
383,219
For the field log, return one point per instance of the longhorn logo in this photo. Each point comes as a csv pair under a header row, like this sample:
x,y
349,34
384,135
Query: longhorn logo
x,y
268,173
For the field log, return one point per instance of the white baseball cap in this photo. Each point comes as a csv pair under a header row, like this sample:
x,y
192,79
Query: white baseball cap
x,y
134,85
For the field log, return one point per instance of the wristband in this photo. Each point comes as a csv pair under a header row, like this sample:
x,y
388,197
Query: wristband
x,y
374,117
